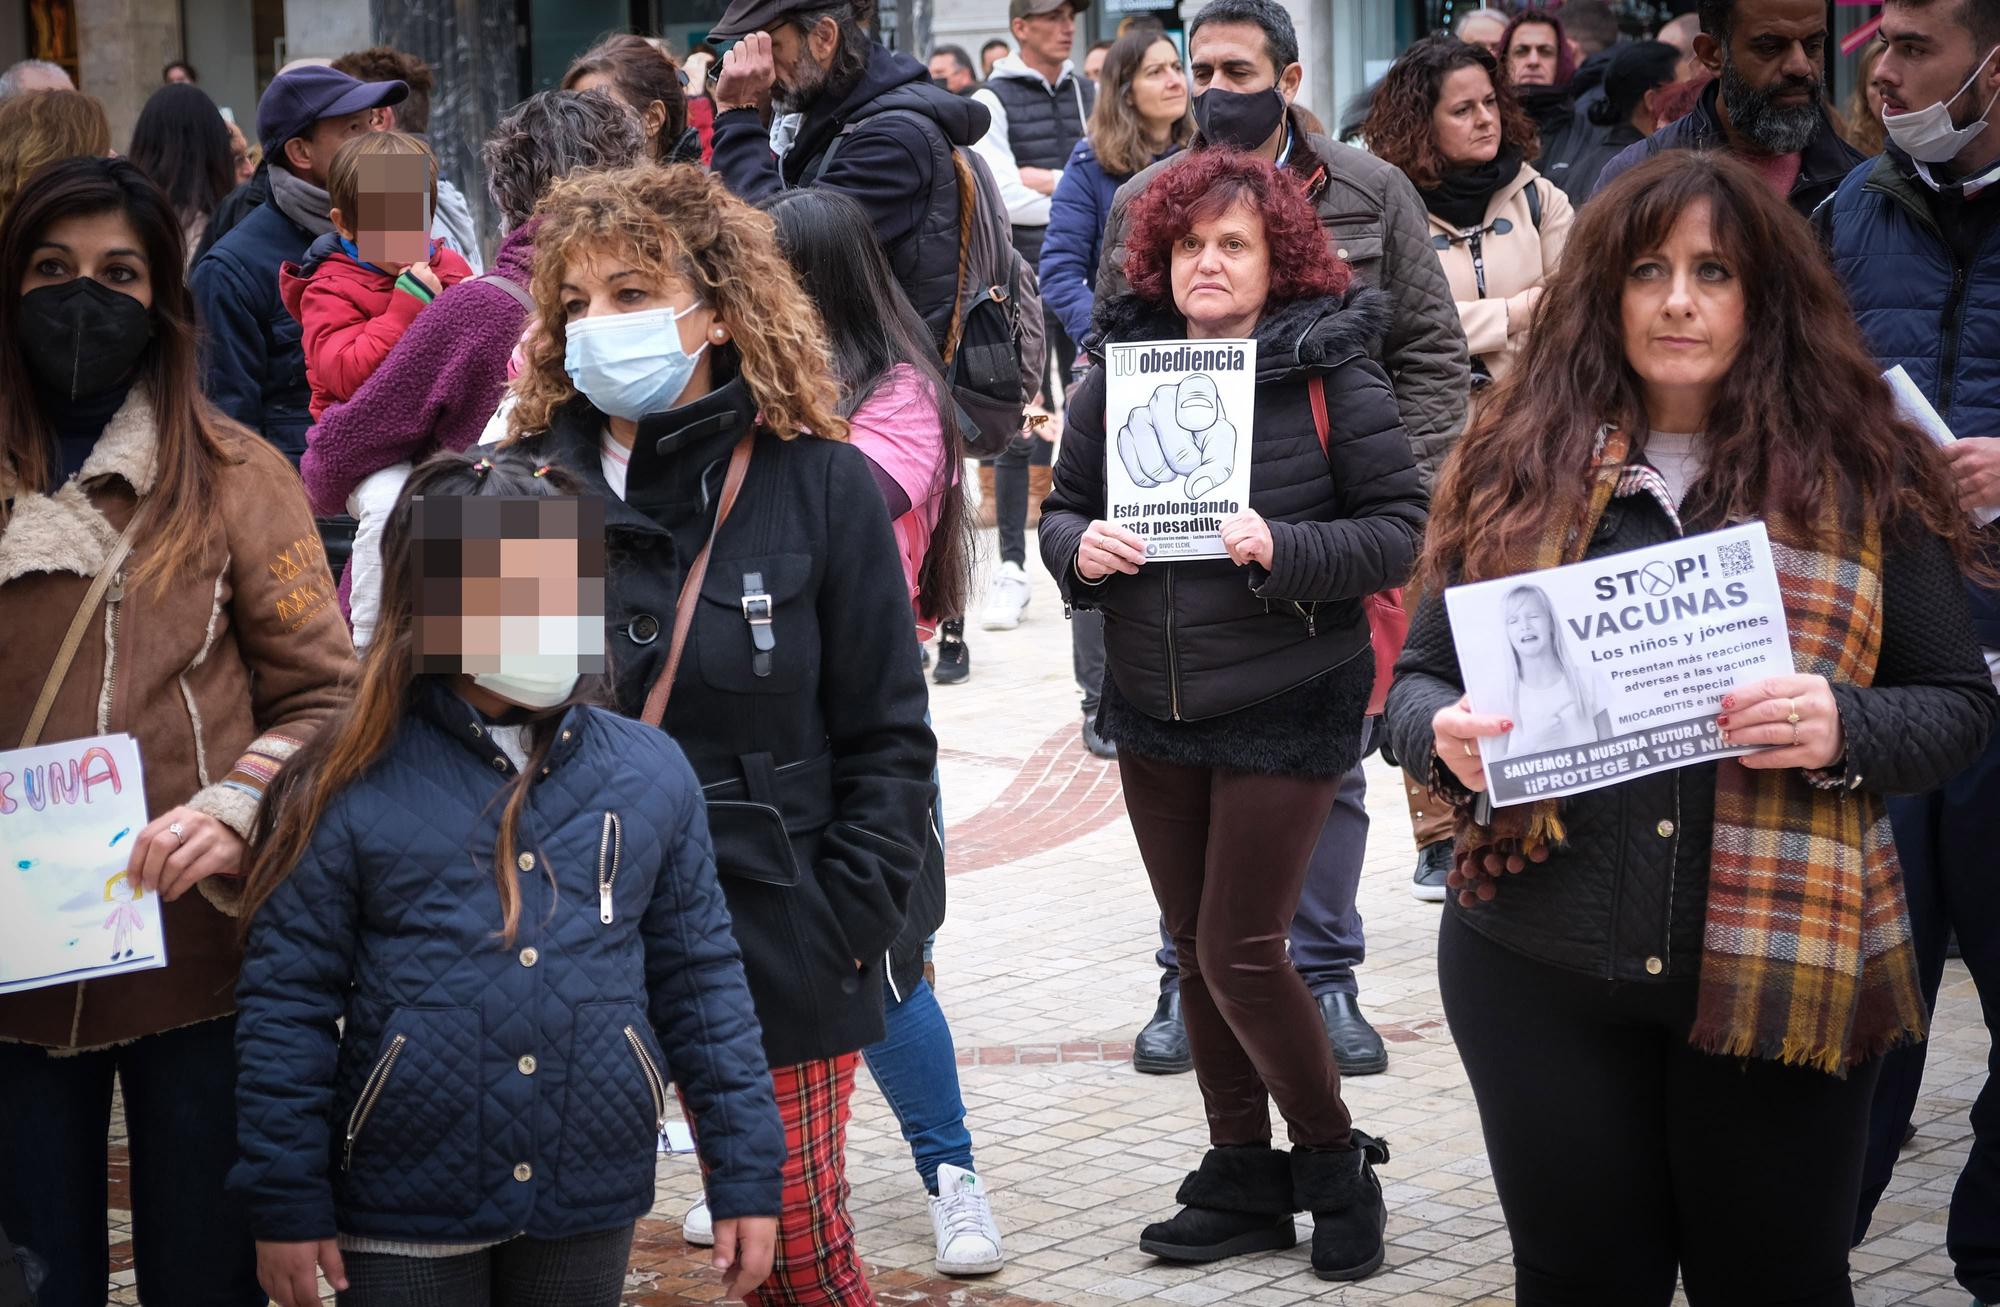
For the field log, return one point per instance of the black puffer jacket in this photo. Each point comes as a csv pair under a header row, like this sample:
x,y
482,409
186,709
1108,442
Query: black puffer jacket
x,y
1624,899
815,761
1210,664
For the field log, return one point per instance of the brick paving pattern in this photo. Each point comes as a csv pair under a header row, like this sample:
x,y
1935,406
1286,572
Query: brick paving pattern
x,y
1045,968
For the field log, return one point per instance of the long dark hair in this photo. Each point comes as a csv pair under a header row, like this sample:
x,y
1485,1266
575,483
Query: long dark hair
x,y
181,142
361,731
1803,406
643,73
1399,127
193,438
872,328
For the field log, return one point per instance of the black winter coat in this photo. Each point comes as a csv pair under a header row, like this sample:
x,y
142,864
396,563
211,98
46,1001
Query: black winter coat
x,y
1625,897
815,760
1214,665
471,1091
896,165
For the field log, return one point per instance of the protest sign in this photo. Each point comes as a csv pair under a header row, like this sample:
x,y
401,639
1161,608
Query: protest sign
x,y
1915,409
1618,665
69,814
1177,458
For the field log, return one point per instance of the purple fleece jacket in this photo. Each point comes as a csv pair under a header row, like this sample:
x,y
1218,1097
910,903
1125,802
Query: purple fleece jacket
x,y
435,390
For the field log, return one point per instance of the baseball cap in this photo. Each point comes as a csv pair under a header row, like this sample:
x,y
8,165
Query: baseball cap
x,y
1036,8
297,99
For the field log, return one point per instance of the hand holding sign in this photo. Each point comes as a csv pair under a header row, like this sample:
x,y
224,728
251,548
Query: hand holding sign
x,y
1180,432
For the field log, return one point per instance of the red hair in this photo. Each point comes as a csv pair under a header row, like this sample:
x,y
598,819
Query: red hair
x,y
1200,186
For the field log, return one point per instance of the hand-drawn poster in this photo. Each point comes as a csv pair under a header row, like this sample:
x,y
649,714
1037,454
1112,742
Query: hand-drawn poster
x,y
69,814
1618,665
1177,449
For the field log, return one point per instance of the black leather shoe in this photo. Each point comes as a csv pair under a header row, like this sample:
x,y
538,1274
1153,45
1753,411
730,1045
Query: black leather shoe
x,y
1356,1046
1433,865
1162,1047
1098,746
954,662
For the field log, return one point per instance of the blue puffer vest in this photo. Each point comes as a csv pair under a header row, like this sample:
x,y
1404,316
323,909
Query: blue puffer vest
x,y
1919,307
478,1090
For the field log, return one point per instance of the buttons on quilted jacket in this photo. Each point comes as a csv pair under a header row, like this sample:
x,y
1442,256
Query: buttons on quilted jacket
x,y
526,862
529,956
524,1173
499,764
526,1064
1665,830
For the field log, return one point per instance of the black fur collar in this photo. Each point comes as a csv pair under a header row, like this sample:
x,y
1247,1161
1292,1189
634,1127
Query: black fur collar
x,y
1299,334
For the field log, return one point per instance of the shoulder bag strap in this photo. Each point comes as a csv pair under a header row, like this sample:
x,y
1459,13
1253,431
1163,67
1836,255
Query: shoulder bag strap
x,y
655,711
509,285
73,639
1316,392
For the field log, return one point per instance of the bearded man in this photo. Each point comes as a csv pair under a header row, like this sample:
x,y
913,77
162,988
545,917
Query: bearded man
x,y
1767,105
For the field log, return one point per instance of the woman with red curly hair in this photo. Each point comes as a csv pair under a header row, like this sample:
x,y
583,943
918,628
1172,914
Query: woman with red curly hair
x,y
1446,117
1235,688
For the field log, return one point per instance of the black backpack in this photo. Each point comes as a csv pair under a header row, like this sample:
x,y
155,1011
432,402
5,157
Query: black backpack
x,y
995,347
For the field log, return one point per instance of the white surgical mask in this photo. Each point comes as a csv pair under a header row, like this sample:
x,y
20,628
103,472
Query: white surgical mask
x,y
630,364
1927,135
541,659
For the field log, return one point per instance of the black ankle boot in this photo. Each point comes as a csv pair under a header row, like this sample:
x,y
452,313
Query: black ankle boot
x,y
1340,1189
1239,1201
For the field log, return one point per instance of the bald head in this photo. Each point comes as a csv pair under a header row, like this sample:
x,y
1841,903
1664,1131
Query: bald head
x,y
1485,27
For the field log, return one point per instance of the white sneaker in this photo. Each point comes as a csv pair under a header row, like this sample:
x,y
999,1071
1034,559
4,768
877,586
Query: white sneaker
x,y
968,1240
1006,598
698,1227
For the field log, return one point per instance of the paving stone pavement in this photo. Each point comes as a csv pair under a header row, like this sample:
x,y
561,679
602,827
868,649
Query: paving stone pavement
x,y
1045,969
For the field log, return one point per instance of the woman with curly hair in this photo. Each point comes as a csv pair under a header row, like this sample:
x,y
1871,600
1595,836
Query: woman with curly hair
x,y
1673,1016
1452,123
1235,687
681,374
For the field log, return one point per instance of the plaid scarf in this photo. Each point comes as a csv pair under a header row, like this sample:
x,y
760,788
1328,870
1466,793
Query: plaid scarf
x,y
1806,951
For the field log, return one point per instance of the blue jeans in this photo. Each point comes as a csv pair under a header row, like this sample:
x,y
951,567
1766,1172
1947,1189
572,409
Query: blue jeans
x,y
917,1068
190,1238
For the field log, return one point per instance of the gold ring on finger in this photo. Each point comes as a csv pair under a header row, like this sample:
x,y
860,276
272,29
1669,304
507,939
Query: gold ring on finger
x,y
1792,713
1795,735
1467,746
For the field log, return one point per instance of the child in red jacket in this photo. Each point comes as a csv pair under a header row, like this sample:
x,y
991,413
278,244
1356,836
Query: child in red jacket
x,y
360,287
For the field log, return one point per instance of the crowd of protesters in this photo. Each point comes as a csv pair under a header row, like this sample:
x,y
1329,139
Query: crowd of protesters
x,y
525,630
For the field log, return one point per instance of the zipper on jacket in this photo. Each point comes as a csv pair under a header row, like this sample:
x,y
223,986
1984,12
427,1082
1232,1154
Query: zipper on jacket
x,y
1310,612
1952,331
371,1090
1173,658
656,1085
609,845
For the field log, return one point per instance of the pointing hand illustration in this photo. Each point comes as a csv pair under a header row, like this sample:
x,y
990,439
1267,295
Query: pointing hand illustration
x,y
1180,432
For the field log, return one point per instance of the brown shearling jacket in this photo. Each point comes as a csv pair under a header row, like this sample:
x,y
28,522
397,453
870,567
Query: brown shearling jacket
x,y
218,678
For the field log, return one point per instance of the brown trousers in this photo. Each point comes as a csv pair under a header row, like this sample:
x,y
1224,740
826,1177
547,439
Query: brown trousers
x,y
1227,854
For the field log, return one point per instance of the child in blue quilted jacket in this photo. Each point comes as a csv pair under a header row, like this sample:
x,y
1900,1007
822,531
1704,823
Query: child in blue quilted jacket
x,y
483,932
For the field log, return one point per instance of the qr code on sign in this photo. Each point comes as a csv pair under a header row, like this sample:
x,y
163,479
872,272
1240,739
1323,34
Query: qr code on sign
x,y
1735,558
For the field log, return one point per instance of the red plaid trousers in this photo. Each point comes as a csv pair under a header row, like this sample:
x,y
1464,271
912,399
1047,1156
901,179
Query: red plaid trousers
x,y
815,1265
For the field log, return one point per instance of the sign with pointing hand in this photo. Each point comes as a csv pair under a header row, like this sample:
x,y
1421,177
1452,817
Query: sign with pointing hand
x,y
1178,463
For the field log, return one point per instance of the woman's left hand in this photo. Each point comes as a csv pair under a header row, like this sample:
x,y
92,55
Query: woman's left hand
x,y
1796,714
1247,537
171,865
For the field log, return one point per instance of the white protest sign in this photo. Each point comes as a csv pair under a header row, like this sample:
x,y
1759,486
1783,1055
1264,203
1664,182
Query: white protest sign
x,y
69,814
1913,408
1618,665
1177,428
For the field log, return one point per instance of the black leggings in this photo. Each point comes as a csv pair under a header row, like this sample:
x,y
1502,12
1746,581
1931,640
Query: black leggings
x,y
1621,1154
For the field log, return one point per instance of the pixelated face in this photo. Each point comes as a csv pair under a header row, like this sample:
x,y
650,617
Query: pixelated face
x,y
392,224
508,585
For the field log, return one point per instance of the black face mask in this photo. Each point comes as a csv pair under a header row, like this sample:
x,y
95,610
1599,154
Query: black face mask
x,y
941,83
1238,120
83,338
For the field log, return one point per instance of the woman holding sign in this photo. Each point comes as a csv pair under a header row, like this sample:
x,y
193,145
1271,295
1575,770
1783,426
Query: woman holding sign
x,y
1236,683
1673,1015
177,550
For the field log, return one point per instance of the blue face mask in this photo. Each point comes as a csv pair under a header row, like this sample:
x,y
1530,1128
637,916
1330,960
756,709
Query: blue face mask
x,y
630,365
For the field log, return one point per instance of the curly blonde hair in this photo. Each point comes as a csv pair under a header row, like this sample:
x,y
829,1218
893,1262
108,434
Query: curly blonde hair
x,y
682,222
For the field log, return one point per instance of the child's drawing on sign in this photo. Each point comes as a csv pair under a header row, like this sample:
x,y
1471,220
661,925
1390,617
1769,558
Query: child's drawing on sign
x,y
124,921
68,909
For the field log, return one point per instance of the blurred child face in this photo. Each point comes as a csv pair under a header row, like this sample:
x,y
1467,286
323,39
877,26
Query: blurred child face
x,y
509,586
392,224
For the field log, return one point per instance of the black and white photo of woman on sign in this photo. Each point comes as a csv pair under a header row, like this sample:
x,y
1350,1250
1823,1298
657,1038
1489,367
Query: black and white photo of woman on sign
x,y
1178,466
1617,665
1554,702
